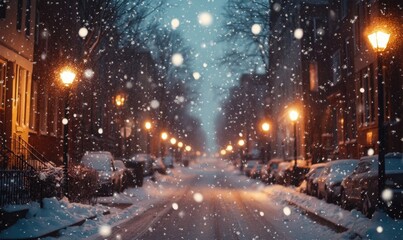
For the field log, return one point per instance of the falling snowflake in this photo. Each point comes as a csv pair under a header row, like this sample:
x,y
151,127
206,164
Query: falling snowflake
x,y
83,32
65,121
177,59
256,29
298,33
205,19
175,23
105,230
287,211
198,197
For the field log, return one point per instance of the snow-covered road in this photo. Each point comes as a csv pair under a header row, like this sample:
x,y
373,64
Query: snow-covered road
x,y
208,200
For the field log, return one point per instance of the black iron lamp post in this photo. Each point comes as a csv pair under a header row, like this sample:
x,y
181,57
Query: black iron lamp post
x,y
67,75
148,126
293,114
379,40
120,100
266,128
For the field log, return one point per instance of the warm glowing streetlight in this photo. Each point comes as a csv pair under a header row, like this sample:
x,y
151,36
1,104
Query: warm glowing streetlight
x,y
229,148
148,125
293,114
265,127
173,141
180,144
379,40
223,152
241,142
67,76
188,148
120,100
164,136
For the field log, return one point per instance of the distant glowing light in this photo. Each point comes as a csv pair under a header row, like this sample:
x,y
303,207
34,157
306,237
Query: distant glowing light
x,y
298,33
177,59
175,23
287,211
100,131
154,104
256,29
83,32
205,19
129,85
89,73
198,197
196,75
105,230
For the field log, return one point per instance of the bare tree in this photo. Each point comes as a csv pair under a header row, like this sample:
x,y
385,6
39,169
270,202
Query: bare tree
x,y
251,47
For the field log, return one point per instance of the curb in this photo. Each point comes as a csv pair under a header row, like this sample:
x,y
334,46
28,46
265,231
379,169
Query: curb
x,y
325,222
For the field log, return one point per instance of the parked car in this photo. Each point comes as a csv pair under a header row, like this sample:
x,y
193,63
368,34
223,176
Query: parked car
x,y
249,165
146,160
330,179
286,175
168,161
127,176
360,189
267,173
109,177
255,172
159,166
311,178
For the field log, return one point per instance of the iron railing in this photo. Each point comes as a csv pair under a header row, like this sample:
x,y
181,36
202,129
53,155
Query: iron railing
x,y
30,154
17,179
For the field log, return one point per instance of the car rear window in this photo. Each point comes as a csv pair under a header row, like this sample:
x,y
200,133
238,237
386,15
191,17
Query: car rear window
x,y
98,162
394,163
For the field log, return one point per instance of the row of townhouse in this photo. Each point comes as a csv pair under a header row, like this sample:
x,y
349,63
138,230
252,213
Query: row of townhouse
x,y
37,39
329,73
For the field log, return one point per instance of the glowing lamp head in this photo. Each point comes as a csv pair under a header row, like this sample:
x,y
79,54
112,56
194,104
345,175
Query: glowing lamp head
x,y
188,148
180,144
120,100
293,115
241,142
67,76
265,127
164,136
148,125
379,40
229,148
173,141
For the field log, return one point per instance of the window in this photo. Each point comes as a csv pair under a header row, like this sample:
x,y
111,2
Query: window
x,y
336,68
313,76
3,69
53,115
34,106
366,107
19,14
344,9
28,18
3,8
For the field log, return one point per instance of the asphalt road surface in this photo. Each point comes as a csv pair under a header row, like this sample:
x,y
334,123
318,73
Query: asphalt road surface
x,y
208,206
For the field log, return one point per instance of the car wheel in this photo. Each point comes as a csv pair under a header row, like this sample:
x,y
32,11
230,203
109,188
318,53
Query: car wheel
x,y
344,201
367,208
328,196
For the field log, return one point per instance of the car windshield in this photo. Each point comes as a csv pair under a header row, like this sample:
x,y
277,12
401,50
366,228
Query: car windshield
x,y
119,164
99,162
394,163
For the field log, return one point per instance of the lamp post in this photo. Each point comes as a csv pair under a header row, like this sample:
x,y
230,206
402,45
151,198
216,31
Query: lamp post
x,y
241,143
148,126
379,40
293,114
67,76
266,128
164,136
120,100
180,146
173,143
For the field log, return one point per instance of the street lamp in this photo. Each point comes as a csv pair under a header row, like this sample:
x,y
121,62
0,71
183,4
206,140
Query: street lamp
x,y
379,40
164,136
67,75
120,100
241,143
148,127
266,128
293,114
229,148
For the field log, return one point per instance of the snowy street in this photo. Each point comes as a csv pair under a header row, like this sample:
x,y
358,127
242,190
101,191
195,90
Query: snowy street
x,y
208,200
